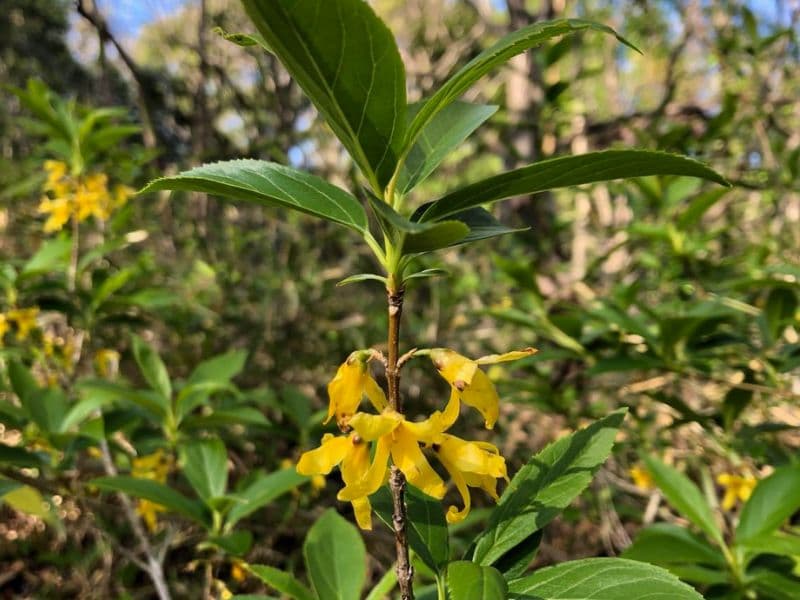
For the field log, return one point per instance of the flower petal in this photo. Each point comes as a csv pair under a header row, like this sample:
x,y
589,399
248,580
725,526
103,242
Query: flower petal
x,y
346,388
321,460
374,393
372,427
513,355
481,395
408,457
429,430
373,478
456,369
363,512
454,515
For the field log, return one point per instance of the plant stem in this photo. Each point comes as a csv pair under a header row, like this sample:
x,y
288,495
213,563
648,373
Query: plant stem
x,y
153,563
397,481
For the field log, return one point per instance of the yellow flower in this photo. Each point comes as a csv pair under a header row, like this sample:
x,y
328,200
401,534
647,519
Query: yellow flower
x,y
353,454
641,478
737,487
59,211
4,327
92,199
106,362
121,195
351,382
238,572
57,180
473,386
156,467
473,464
25,319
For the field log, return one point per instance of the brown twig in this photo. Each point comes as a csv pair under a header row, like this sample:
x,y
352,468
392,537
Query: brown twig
x,y
397,481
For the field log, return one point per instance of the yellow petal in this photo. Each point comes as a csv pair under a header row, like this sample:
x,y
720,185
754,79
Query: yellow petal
x,y
453,514
351,382
408,457
363,512
373,478
729,501
355,463
321,460
482,395
429,430
480,458
374,393
513,355
372,427
725,479
486,482
457,370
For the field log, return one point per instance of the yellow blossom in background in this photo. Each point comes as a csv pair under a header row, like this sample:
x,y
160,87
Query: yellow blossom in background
x,y
737,487
80,197
59,212
351,383
473,386
238,572
4,327
24,319
156,467
641,478
57,181
106,362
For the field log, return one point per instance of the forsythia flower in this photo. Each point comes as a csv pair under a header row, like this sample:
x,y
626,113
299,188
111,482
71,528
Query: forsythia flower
x,y
473,386
106,362
79,197
737,487
25,319
4,327
351,383
470,464
641,477
156,467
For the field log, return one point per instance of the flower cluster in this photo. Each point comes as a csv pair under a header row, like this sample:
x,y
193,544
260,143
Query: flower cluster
x,y
370,440
68,197
737,488
23,318
156,467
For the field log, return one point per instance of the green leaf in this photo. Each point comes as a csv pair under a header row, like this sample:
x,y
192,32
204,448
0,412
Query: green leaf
x,y
665,544
776,586
53,255
426,274
482,225
220,368
26,499
772,502
155,492
568,171
262,491
205,465
281,581
243,39
685,497
19,457
347,62
8,485
698,207
362,277
468,581
601,579
236,543
550,481
272,185
109,392
83,408
384,586
445,233
427,521
776,543
152,368
335,558
47,408
443,134
494,56
427,526
22,382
